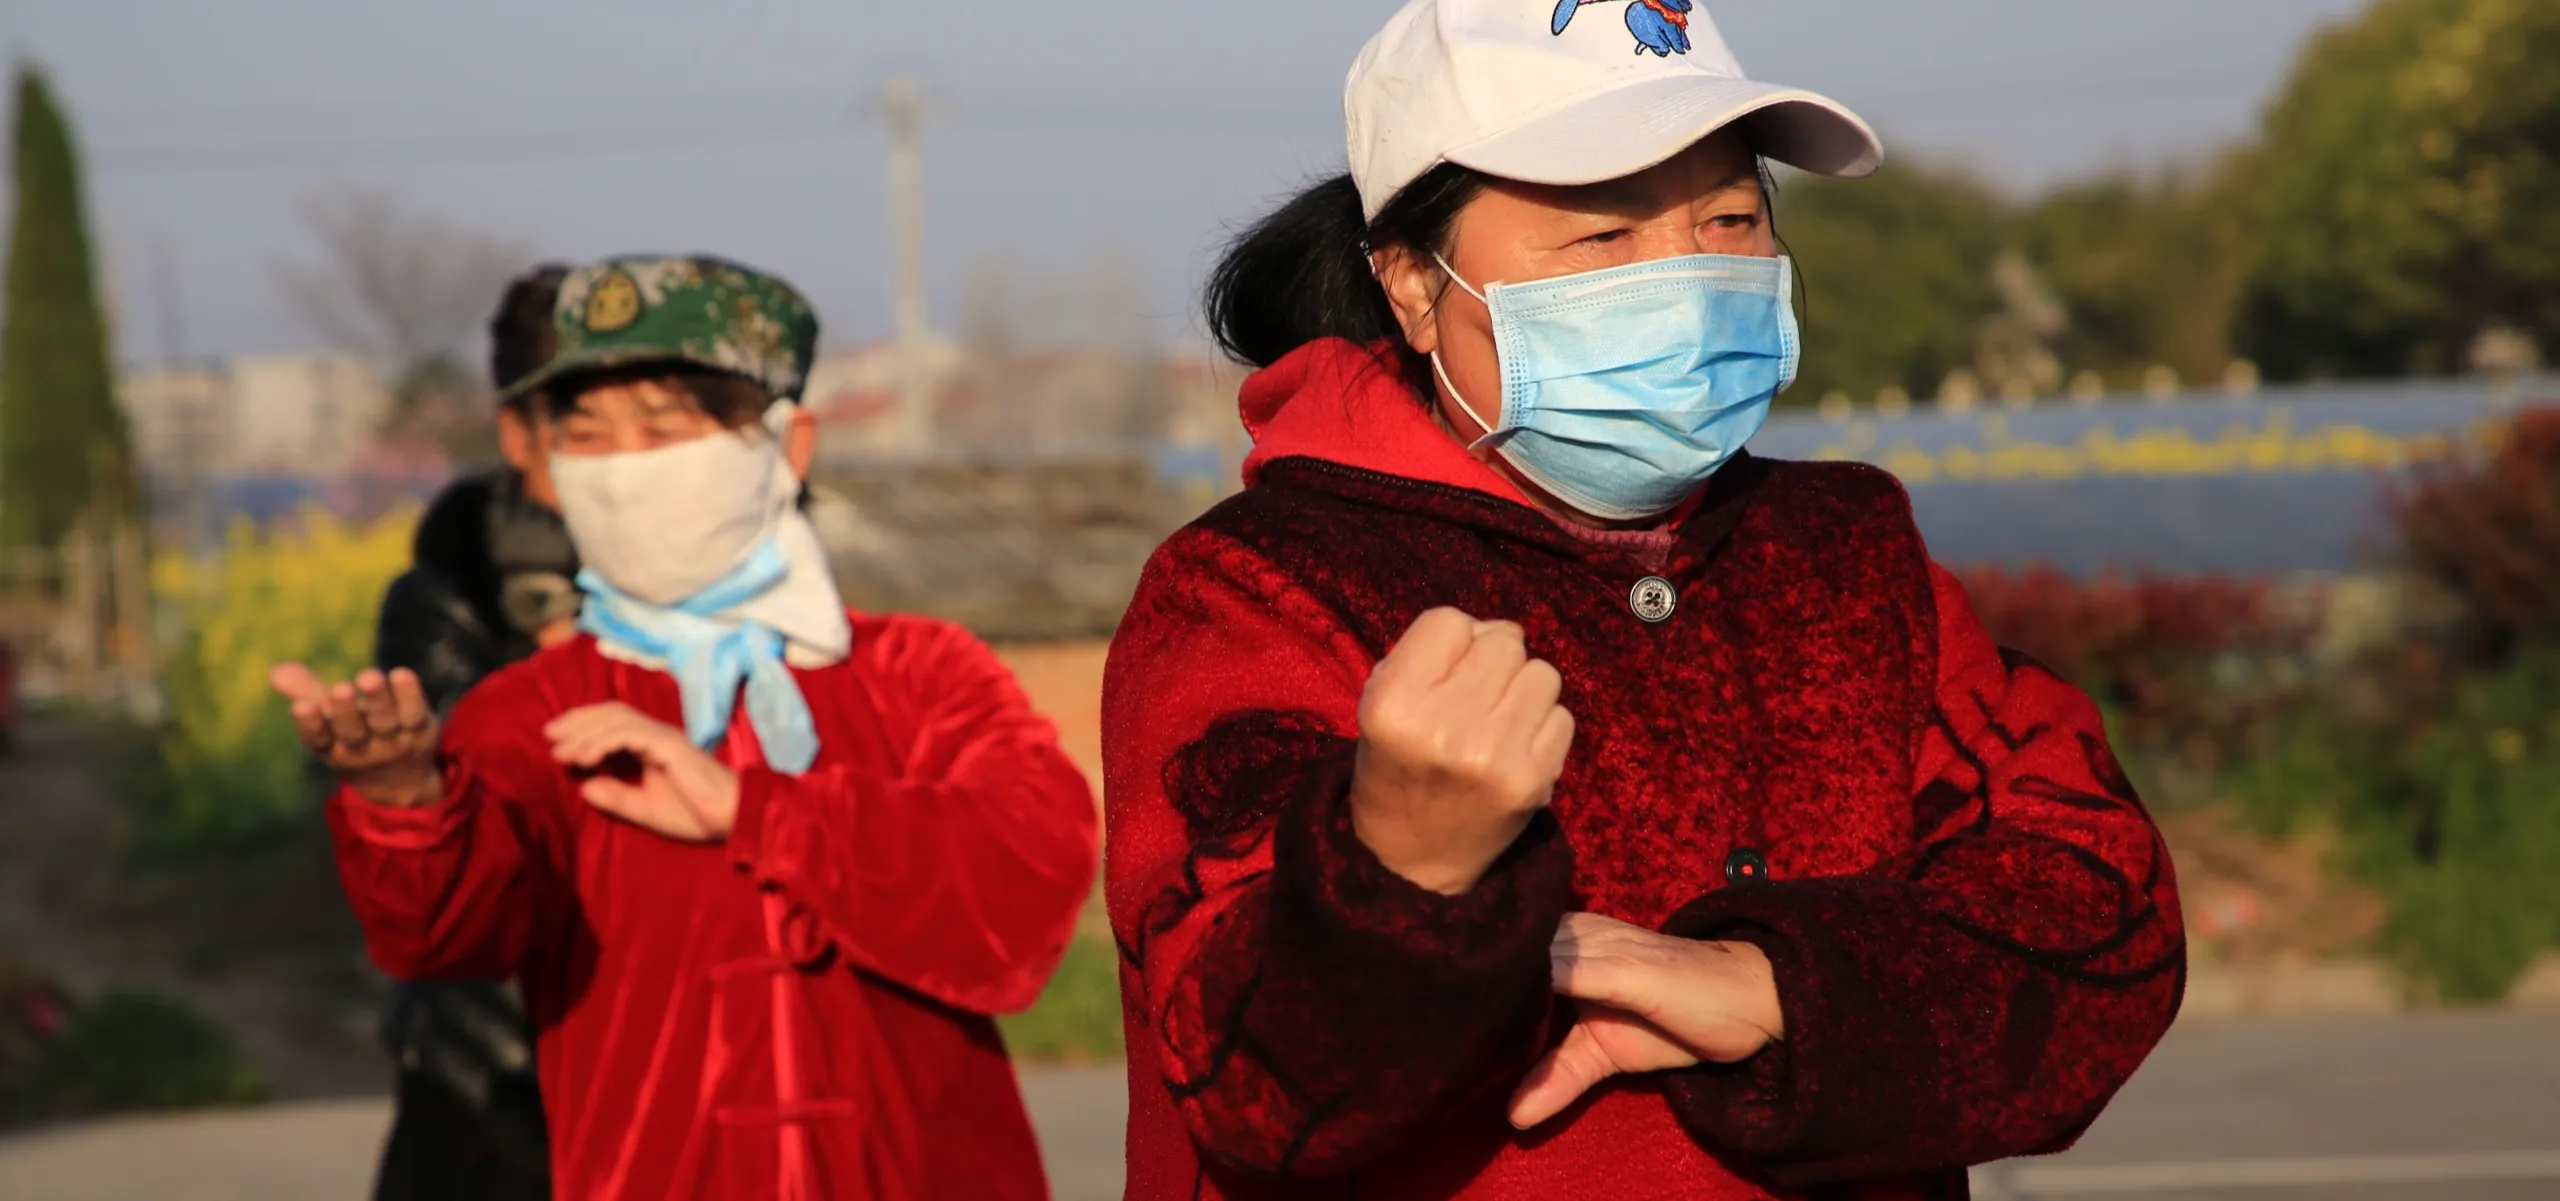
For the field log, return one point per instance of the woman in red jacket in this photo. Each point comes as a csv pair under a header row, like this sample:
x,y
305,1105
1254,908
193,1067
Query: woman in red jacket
x,y
1519,791
764,868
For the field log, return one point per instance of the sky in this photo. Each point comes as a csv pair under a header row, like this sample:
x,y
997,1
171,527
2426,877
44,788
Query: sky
x,y
1066,135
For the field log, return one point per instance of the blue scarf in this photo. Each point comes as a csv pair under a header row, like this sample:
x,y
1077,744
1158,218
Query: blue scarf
x,y
712,658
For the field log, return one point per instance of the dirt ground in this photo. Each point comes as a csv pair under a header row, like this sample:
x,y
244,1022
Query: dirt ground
x,y
2252,902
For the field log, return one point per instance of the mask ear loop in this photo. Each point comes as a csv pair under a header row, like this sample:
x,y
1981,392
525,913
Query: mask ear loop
x,y
1492,430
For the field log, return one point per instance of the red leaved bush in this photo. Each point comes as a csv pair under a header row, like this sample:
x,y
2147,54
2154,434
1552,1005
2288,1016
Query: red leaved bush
x,y
2128,638
2487,529
2192,667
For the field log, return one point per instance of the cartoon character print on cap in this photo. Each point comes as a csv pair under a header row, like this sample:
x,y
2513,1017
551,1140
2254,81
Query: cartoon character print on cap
x,y
1661,26
613,304
612,300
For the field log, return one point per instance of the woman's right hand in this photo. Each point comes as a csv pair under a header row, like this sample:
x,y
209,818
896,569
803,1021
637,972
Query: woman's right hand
x,y
1461,740
376,733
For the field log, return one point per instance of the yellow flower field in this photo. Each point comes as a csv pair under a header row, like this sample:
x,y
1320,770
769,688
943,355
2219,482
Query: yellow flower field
x,y
231,771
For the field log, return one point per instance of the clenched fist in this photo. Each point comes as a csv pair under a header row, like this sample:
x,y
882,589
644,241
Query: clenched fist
x,y
1461,741
376,732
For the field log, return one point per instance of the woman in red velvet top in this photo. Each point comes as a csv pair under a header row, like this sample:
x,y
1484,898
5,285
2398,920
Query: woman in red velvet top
x,y
1519,790
765,867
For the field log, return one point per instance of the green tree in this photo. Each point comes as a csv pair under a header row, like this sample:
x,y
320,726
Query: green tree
x,y
2409,176
1895,275
2150,269
63,444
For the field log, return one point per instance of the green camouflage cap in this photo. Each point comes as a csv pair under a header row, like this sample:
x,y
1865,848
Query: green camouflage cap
x,y
680,309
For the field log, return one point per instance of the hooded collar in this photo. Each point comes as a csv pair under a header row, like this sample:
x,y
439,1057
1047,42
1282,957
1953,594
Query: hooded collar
x,y
1338,416
1348,404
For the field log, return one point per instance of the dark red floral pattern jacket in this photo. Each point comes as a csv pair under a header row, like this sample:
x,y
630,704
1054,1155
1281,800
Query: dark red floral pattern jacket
x,y
1816,749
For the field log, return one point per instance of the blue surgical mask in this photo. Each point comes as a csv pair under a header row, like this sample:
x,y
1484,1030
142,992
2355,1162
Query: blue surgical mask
x,y
1624,390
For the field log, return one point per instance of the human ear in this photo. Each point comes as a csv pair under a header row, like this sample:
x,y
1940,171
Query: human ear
x,y
515,438
800,441
1413,283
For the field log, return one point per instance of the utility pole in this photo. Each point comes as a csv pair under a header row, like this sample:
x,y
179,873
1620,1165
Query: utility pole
x,y
904,107
184,408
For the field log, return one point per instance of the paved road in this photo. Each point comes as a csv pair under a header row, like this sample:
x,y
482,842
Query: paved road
x,y
2426,1108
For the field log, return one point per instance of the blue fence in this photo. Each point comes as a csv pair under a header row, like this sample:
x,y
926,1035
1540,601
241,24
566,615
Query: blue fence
x,y
2286,480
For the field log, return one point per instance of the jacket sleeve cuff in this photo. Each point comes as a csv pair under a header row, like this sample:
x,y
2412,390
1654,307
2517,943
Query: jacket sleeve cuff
x,y
1339,902
1764,1106
395,828
1409,975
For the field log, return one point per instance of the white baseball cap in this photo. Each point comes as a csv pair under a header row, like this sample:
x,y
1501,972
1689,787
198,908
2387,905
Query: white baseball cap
x,y
1570,92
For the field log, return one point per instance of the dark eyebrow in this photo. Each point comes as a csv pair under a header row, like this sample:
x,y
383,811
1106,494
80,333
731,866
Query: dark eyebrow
x,y
1621,196
1745,177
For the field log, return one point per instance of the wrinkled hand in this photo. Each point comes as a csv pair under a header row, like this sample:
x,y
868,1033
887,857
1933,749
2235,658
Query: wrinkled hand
x,y
376,732
1649,1002
682,793
1461,741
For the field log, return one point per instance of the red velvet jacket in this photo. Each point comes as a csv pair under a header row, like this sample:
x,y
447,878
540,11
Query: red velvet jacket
x,y
799,1013
1973,923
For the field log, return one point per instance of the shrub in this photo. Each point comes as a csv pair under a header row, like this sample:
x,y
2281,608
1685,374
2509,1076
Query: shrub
x,y
2469,843
2455,818
2487,531
2189,670
133,1050
230,775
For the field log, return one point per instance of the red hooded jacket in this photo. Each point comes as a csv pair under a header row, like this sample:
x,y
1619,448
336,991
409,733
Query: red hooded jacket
x,y
797,1013
1973,923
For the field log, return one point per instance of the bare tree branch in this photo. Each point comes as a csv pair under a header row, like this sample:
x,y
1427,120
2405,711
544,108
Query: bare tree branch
x,y
402,288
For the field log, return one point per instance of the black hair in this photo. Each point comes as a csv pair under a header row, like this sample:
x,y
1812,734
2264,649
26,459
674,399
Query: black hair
x,y
1302,274
731,399
521,334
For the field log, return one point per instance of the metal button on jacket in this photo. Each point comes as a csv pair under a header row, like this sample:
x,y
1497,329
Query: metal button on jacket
x,y
1653,599
1746,865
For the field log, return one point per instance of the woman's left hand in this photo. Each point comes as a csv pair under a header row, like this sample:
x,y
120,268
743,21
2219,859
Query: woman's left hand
x,y
682,793
1649,1002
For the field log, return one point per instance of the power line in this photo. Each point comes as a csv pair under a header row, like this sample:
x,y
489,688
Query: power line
x,y
1075,112
472,150
465,149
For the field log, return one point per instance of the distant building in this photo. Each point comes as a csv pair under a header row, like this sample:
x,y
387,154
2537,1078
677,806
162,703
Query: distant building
x,y
1200,388
855,397
299,415
1051,401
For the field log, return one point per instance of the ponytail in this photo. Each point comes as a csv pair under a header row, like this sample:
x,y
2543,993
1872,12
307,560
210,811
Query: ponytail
x,y
1302,274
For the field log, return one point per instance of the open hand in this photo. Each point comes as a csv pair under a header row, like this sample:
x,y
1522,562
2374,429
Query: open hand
x,y
1648,1002
376,732
682,793
1461,740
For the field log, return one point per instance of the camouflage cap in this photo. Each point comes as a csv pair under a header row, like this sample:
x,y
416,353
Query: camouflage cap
x,y
691,309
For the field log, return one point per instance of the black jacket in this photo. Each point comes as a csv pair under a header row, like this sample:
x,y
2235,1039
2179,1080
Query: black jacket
x,y
446,617
481,545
